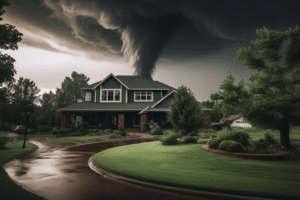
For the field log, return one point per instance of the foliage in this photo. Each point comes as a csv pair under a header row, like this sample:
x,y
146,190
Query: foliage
x,y
92,131
271,95
101,132
3,141
185,114
73,128
231,146
268,138
146,127
235,135
70,91
156,131
114,136
214,143
189,139
122,129
108,130
170,139
203,141
75,134
227,124
122,133
42,129
61,131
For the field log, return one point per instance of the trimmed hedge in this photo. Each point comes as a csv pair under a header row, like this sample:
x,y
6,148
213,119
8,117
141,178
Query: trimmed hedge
x,y
92,131
60,131
122,129
214,143
156,131
122,133
231,146
188,139
108,130
114,136
237,136
170,139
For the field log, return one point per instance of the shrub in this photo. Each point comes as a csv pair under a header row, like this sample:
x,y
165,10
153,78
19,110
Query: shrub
x,y
4,127
269,138
122,129
237,136
156,131
144,130
147,127
73,128
114,136
203,141
33,131
170,139
61,135
189,139
55,131
259,146
214,143
101,132
75,134
122,133
92,131
43,129
85,125
82,130
3,141
108,130
65,131
91,134
231,146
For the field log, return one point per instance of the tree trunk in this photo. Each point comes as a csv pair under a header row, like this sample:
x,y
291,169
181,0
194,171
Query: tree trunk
x,y
284,129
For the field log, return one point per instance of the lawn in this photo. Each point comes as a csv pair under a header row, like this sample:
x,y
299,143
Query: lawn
x,y
188,166
9,189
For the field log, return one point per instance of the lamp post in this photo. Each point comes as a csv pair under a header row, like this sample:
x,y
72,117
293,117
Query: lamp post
x,y
27,113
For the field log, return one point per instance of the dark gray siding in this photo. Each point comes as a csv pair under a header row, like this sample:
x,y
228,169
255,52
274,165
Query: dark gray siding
x,y
130,96
111,83
123,94
98,94
164,92
166,102
92,96
156,95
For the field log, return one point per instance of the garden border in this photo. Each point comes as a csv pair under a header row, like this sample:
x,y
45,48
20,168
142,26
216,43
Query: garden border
x,y
280,155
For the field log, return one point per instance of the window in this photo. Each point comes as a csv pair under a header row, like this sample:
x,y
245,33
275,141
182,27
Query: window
x,y
111,95
88,96
143,96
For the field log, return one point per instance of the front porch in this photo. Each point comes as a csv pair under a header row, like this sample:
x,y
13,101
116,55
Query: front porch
x,y
132,121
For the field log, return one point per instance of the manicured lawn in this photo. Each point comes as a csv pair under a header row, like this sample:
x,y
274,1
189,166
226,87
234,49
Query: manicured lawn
x,y
188,166
9,189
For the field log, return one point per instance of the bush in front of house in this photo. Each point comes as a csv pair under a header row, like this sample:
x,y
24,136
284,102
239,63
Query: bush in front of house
x,y
170,139
3,141
92,131
189,139
122,133
156,131
114,136
55,131
234,135
214,143
108,131
231,146
73,128
75,134
146,127
122,129
100,132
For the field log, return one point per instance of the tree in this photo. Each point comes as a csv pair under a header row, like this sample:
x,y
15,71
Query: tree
x,y
185,114
273,100
9,37
70,91
220,110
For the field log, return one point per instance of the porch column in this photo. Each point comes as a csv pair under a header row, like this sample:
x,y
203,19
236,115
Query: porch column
x,y
143,120
207,125
65,121
120,120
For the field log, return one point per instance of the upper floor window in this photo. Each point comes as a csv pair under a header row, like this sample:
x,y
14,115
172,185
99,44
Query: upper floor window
x,y
111,95
88,96
143,96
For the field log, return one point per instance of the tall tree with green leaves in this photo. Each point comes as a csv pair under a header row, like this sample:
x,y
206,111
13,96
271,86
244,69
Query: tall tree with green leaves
x,y
9,37
185,114
70,91
273,100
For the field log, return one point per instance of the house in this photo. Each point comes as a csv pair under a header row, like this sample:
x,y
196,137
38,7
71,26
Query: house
x,y
236,121
125,101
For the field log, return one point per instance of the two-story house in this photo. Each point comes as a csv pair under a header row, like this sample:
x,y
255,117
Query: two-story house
x,y
126,101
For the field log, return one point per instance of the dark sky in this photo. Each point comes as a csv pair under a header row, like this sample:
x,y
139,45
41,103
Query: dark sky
x,y
190,42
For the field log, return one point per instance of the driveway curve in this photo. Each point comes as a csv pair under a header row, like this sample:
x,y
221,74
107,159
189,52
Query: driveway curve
x,y
61,174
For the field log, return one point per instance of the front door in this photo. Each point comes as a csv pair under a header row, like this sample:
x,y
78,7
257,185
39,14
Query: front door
x,y
136,120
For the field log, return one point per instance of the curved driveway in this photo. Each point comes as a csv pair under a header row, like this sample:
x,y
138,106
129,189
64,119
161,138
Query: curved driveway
x,y
56,174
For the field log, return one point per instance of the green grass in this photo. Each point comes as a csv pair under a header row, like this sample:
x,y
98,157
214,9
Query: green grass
x,y
188,166
9,189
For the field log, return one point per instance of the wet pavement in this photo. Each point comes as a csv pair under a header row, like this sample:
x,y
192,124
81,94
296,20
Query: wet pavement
x,y
57,174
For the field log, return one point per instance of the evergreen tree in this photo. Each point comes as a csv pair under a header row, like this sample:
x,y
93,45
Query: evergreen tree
x,y
185,114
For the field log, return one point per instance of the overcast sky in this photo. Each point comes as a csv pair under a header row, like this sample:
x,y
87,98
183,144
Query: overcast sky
x,y
189,42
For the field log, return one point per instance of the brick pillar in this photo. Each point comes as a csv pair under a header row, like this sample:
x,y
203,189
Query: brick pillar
x,y
120,120
143,120
63,121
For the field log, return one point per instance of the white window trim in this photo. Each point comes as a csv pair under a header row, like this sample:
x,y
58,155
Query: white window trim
x,y
126,95
114,101
88,96
95,95
146,96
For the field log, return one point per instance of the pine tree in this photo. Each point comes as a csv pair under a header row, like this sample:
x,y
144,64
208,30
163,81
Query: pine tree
x,y
185,114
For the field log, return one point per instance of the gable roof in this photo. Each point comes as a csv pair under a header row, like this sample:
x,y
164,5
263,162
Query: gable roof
x,y
133,83
230,118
